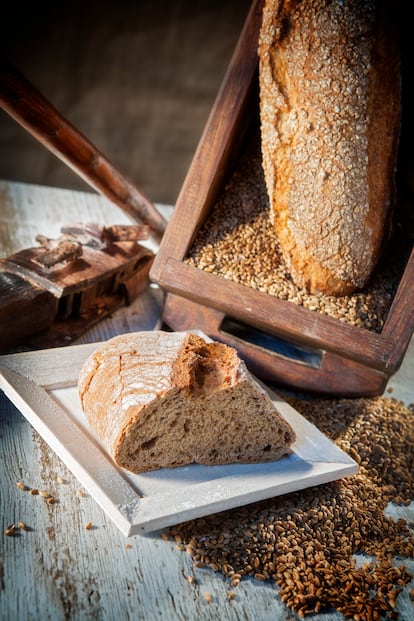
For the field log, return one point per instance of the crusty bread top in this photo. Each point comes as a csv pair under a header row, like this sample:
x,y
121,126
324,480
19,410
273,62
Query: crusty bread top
x,y
330,107
160,399
129,370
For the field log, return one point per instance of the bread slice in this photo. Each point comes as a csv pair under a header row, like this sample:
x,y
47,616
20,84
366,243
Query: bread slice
x,y
330,100
165,399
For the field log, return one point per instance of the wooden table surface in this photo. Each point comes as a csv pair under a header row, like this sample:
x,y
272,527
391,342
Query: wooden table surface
x,y
59,569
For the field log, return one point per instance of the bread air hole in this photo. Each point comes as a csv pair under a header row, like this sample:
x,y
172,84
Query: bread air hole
x,y
149,444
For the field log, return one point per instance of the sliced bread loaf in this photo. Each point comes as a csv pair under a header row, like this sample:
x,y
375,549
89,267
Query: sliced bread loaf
x,y
165,399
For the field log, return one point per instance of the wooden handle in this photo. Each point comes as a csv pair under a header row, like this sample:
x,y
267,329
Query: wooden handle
x,y
22,101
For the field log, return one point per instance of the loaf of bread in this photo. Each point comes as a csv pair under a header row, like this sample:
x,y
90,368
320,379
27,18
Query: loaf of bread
x,y
165,399
329,74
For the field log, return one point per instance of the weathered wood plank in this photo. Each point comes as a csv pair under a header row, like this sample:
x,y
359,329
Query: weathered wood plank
x,y
59,570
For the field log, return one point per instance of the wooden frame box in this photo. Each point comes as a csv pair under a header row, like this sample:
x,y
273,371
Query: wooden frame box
x,y
319,353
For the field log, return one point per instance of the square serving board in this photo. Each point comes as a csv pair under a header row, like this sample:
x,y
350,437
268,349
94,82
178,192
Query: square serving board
x,y
43,386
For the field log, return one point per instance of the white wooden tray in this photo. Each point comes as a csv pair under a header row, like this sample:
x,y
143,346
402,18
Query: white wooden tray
x,y
43,386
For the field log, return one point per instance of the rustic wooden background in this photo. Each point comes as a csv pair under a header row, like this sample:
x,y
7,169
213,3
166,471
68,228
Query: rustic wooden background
x,y
138,78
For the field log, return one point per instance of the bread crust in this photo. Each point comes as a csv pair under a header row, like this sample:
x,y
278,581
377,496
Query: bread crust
x,y
330,116
159,399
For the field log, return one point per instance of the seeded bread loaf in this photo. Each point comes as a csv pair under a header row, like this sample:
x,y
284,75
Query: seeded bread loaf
x,y
330,114
160,399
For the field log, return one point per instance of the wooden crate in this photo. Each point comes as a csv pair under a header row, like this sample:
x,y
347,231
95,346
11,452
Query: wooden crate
x,y
280,342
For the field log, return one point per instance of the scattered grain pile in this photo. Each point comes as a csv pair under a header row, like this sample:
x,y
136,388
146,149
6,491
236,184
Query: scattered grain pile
x,y
238,242
305,542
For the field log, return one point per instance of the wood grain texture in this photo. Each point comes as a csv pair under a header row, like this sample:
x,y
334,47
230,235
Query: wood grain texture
x,y
265,311
59,570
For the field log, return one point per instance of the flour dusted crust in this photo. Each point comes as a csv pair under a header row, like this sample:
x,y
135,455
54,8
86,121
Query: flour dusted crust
x,y
165,399
330,114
